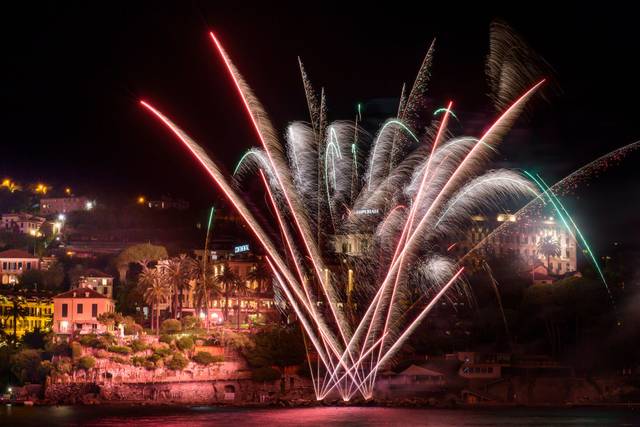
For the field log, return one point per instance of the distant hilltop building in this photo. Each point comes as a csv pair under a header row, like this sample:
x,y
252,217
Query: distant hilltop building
x,y
168,203
64,205
14,262
21,223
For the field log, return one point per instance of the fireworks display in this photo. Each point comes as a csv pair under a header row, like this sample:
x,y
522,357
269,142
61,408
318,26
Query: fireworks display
x,y
403,197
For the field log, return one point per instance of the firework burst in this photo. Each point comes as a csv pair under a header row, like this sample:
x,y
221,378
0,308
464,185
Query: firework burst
x,y
402,196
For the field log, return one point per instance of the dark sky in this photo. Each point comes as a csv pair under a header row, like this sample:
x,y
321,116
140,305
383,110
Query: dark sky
x,y
72,73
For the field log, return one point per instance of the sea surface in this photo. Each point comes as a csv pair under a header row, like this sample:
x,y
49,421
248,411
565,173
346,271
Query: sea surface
x,y
166,416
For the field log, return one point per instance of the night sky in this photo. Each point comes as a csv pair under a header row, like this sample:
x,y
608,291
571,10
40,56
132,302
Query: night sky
x,y
72,73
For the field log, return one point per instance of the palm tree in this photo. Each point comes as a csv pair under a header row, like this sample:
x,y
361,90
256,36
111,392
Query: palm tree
x,y
17,310
154,283
228,282
180,271
548,247
205,289
262,275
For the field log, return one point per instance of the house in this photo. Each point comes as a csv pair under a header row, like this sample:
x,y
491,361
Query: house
x,y
76,311
14,262
97,280
416,380
22,223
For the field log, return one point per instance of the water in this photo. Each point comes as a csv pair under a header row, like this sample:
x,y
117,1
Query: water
x,y
320,416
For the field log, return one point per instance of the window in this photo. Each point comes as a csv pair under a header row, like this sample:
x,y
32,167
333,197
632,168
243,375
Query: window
x,y
28,265
4,265
20,265
65,310
80,308
94,310
105,290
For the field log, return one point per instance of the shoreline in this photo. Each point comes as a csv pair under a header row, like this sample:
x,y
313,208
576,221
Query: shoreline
x,y
333,404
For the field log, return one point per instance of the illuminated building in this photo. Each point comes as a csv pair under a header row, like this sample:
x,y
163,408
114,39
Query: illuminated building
x,y
63,205
14,262
96,280
523,239
76,311
38,312
22,223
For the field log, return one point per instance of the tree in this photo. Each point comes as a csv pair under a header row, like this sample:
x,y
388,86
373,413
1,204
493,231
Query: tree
x,y
155,290
180,271
261,275
35,339
50,279
228,282
549,247
17,310
142,253
206,288
25,365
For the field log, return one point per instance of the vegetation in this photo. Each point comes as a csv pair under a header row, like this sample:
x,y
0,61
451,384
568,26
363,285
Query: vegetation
x,y
153,283
27,367
171,326
86,363
138,346
184,343
177,362
120,349
76,349
206,358
277,346
142,253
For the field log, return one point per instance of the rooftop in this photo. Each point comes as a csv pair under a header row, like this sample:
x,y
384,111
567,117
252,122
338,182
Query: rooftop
x,y
16,254
81,293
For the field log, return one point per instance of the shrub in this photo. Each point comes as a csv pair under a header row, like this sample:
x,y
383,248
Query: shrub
x,y
76,349
162,352
138,361
154,357
62,366
58,349
86,363
184,343
190,322
177,362
206,358
165,338
131,327
102,354
88,340
118,359
149,365
120,349
265,374
138,345
171,326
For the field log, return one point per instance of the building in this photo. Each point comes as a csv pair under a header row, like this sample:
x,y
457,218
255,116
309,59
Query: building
x,y
37,313
76,312
522,239
63,205
14,262
96,280
22,223
168,203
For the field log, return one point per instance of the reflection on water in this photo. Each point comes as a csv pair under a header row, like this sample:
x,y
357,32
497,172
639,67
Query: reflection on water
x,y
321,416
